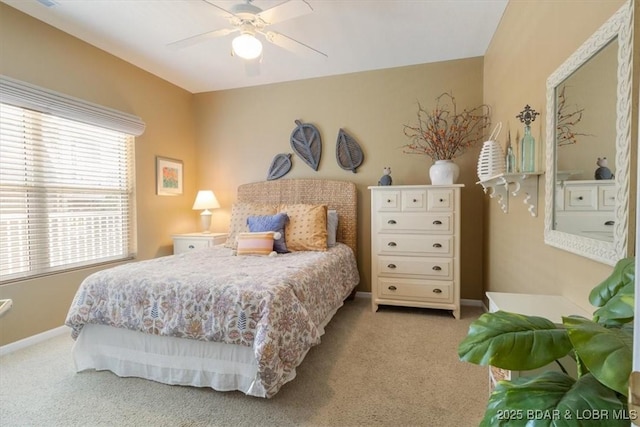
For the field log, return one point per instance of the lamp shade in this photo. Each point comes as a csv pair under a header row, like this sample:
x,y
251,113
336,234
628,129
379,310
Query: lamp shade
x,y
246,46
205,200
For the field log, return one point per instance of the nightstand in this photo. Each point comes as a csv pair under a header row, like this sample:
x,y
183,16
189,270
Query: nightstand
x,y
189,241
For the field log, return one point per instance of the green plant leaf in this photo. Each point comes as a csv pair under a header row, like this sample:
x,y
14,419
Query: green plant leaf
x,y
552,399
513,341
607,352
623,274
619,309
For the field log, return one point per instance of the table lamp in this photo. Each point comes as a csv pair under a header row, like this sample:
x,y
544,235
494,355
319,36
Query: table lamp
x,y
205,200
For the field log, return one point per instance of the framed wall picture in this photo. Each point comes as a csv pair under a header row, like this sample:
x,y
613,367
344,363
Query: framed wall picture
x,y
168,176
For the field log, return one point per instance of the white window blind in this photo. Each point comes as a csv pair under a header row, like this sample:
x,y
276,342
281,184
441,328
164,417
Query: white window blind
x,y
67,196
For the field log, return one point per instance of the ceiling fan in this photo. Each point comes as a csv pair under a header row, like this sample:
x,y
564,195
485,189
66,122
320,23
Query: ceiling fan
x,y
250,20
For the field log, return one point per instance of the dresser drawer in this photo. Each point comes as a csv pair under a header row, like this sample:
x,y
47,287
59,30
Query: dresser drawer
x,y
594,225
415,289
190,241
606,198
435,268
184,245
389,244
414,222
581,198
414,200
440,200
388,201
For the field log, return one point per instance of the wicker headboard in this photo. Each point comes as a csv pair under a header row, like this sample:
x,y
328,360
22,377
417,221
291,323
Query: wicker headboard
x,y
338,195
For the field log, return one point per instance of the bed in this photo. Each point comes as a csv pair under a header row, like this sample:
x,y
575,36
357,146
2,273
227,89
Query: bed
x,y
215,317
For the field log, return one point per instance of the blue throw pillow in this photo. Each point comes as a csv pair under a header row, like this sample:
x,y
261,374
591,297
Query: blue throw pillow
x,y
271,223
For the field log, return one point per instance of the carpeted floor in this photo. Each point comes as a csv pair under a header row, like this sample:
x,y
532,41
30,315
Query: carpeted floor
x,y
396,367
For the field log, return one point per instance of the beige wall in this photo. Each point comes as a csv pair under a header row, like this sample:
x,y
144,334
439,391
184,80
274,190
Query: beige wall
x,y
239,131
36,53
533,39
228,138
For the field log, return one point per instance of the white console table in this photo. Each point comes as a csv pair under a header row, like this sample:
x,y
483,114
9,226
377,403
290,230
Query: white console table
x,y
552,307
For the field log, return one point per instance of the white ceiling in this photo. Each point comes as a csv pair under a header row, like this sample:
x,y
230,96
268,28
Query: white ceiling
x,y
356,35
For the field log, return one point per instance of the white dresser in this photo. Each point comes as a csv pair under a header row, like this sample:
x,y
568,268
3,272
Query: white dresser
x,y
415,246
190,241
586,208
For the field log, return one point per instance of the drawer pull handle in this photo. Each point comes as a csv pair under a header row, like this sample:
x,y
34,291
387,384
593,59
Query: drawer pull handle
x,y
415,200
391,266
609,223
392,288
436,268
437,222
441,200
437,245
580,197
191,246
392,244
388,200
391,221
437,291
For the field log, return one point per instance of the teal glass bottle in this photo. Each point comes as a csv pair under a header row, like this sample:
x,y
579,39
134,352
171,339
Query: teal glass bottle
x,y
527,143
527,151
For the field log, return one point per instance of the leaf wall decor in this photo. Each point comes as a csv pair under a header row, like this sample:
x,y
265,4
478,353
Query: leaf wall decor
x,y
280,166
306,143
349,155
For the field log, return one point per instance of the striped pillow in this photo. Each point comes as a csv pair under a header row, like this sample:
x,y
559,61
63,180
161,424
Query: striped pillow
x,y
258,243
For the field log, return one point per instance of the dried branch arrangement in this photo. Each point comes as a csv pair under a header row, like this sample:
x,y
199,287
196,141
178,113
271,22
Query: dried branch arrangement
x,y
444,133
566,120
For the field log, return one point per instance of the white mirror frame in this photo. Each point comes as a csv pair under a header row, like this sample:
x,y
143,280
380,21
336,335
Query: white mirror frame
x,y
620,25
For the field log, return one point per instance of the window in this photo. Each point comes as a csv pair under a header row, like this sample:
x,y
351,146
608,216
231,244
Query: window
x,y
67,196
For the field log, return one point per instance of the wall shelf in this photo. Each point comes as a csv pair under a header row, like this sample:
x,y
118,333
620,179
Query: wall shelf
x,y
501,186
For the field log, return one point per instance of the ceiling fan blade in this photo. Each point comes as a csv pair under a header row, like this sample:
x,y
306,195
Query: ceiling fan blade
x,y
293,45
288,10
221,10
190,41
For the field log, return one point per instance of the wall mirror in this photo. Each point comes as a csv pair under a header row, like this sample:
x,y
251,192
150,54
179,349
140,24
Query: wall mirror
x,y
589,117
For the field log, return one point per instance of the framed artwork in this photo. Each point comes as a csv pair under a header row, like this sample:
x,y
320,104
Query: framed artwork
x,y
168,176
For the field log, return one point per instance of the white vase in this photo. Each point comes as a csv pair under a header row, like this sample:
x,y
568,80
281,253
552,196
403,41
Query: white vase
x,y
444,172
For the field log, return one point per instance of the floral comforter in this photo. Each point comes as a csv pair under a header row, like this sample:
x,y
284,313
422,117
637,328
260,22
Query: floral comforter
x,y
277,305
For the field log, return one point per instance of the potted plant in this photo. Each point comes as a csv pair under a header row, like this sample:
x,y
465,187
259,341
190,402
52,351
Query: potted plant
x,y
444,133
601,347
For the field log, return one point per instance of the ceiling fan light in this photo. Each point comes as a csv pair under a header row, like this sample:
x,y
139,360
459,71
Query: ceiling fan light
x,y
246,46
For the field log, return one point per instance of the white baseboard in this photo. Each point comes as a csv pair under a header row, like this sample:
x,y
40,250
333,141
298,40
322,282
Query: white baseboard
x,y
463,301
34,339
473,302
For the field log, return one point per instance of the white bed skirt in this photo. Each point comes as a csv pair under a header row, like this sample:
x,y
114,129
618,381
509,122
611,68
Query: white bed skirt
x,y
169,360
